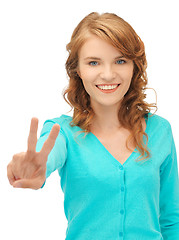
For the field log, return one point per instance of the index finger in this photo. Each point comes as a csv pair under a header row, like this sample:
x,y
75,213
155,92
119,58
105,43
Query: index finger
x,y
32,139
50,142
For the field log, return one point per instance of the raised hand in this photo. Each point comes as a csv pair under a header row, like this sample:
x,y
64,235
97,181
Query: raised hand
x,y
28,169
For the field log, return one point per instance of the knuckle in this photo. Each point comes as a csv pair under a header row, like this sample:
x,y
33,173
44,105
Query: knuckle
x,y
9,165
18,157
14,156
30,154
9,170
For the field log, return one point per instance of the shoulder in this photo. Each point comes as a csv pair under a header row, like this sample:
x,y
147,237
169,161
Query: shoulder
x,y
65,125
159,127
157,121
63,121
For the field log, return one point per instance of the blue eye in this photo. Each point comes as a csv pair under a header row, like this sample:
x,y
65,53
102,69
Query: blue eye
x,y
120,61
93,63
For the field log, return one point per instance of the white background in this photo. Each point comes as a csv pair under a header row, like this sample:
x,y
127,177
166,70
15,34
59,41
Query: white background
x,y
33,38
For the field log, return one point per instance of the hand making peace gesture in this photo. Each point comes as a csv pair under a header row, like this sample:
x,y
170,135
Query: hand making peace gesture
x,y
28,169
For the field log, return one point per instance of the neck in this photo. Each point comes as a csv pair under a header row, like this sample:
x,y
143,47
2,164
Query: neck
x,y
106,119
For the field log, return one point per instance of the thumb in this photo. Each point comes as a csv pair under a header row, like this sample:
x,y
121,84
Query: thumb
x,y
28,183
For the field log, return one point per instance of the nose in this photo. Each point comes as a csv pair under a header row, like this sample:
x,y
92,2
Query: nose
x,y
107,73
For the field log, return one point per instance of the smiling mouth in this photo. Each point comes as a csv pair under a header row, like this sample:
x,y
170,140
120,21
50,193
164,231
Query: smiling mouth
x,y
107,86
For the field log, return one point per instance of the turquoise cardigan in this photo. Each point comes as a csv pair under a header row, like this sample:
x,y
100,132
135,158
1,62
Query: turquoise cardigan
x,y
107,200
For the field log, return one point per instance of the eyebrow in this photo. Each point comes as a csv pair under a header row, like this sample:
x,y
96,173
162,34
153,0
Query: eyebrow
x,y
96,58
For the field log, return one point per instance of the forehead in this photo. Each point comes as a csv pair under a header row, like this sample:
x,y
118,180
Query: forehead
x,y
96,46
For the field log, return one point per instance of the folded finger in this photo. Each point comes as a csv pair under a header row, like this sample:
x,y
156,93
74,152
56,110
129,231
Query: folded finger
x,y
28,183
10,175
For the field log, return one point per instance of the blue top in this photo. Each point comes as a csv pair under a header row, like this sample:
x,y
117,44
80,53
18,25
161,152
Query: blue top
x,y
107,200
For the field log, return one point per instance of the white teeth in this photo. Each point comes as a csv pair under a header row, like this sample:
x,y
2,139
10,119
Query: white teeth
x,y
107,87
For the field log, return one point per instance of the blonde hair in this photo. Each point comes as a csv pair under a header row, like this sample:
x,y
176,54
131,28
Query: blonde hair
x,y
116,31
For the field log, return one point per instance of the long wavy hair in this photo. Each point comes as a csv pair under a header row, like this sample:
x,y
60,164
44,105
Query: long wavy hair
x,y
116,31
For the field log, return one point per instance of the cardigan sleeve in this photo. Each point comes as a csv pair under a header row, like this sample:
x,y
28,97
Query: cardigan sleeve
x,y
169,195
57,156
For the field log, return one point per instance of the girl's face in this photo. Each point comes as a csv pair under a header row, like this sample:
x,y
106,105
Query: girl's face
x,y
102,65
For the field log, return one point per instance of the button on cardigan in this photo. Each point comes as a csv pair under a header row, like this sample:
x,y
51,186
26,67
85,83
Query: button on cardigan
x,y
107,200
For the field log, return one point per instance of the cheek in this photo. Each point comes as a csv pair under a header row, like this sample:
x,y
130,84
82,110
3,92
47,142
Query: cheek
x,y
128,74
86,80
88,76
126,77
